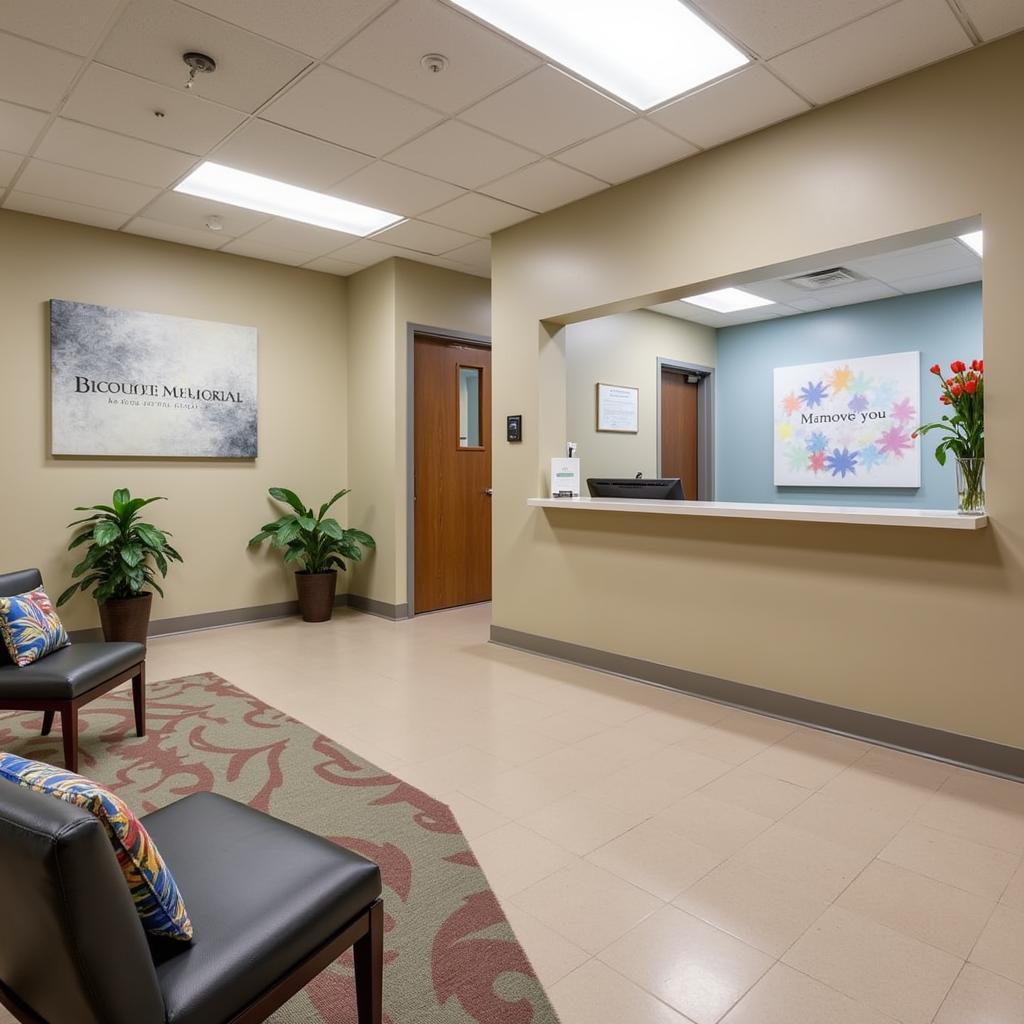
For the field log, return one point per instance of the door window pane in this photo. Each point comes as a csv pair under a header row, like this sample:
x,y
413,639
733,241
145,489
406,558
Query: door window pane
x,y
470,382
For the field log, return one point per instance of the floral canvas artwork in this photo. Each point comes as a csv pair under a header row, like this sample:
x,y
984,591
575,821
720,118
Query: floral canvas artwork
x,y
848,422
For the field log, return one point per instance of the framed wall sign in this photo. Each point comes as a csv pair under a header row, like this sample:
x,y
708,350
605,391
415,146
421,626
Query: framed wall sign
x,y
848,422
618,409
125,382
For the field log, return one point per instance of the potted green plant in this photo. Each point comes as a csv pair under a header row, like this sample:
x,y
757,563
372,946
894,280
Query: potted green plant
x,y
964,430
318,543
120,564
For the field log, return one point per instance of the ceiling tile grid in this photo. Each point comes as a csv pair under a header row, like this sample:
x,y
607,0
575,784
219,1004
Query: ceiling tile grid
x,y
97,127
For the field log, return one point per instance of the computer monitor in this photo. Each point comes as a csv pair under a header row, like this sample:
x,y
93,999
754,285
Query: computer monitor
x,y
669,489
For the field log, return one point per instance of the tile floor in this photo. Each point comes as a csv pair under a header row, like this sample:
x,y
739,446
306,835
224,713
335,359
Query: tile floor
x,y
664,859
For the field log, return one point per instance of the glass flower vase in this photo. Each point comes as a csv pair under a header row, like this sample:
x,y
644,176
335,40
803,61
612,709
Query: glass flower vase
x,y
970,485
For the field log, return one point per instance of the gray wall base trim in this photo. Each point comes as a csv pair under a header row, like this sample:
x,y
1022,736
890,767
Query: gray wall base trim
x,y
257,613
965,751
381,608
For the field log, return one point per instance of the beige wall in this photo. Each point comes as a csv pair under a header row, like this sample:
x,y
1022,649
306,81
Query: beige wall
x,y
384,300
624,349
214,506
919,625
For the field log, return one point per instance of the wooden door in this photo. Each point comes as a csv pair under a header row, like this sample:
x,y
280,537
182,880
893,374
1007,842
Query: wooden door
x,y
452,473
679,440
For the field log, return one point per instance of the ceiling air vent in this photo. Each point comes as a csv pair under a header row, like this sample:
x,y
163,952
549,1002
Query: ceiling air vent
x,y
824,278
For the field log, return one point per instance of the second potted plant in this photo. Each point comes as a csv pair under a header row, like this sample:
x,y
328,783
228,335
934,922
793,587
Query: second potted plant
x,y
320,544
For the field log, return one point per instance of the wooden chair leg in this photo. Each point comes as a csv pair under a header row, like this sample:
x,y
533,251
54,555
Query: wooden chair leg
x,y
69,727
47,723
139,699
369,963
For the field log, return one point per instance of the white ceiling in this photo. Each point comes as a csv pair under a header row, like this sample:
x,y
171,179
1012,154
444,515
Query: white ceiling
x,y
919,268
331,95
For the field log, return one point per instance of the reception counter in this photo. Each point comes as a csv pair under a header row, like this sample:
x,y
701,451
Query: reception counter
x,y
920,517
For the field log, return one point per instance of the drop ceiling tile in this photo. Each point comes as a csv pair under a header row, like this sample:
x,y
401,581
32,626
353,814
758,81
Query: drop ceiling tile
x,y
477,214
330,265
389,50
315,27
477,254
858,291
249,246
296,236
93,149
44,206
123,103
72,185
150,37
768,27
422,237
883,45
204,239
461,154
743,103
942,279
544,186
449,264
9,164
275,152
366,252
994,18
626,152
72,25
919,261
192,212
547,111
345,110
396,189
20,127
34,75
778,290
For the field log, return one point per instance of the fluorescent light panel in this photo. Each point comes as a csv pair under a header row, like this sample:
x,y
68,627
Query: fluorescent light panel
x,y
643,51
254,192
728,300
974,240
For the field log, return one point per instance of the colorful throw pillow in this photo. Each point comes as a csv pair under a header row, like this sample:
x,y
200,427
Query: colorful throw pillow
x,y
156,896
30,627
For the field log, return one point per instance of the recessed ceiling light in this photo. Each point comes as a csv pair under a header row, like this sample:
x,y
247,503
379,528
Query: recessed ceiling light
x,y
645,51
974,240
254,192
728,300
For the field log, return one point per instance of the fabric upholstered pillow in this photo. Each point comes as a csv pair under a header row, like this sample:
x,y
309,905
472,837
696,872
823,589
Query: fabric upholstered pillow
x,y
30,627
157,900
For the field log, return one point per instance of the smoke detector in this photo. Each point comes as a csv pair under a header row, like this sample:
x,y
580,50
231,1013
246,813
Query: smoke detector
x,y
214,222
435,63
824,279
197,64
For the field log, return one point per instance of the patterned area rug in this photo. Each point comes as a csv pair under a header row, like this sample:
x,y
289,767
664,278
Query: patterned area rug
x,y
450,955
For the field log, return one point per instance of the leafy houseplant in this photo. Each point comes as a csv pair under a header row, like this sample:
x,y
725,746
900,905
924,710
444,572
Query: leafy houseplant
x,y
120,563
963,429
320,544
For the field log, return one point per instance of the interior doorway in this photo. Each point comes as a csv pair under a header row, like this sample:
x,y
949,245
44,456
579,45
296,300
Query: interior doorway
x,y
686,427
450,558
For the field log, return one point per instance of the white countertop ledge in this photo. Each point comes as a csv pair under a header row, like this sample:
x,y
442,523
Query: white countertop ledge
x,y
933,518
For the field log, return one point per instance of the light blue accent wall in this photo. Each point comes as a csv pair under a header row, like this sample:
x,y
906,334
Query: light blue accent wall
x,y
942,325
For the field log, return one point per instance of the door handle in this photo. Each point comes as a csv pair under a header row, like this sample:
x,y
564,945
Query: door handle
x,y
489,492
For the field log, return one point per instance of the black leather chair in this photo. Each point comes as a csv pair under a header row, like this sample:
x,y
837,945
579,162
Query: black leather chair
x,y
271,905
65,680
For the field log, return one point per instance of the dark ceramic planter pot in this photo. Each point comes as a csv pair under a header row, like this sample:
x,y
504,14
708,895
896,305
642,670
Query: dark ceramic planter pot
x,y
316,594
126,618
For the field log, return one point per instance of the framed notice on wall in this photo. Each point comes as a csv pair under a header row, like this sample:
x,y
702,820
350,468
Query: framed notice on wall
x,y
125,382
849,422
618,409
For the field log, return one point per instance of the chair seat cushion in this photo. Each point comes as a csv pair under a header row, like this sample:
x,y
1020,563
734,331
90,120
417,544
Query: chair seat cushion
x,y
69,672
263,895
154,892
